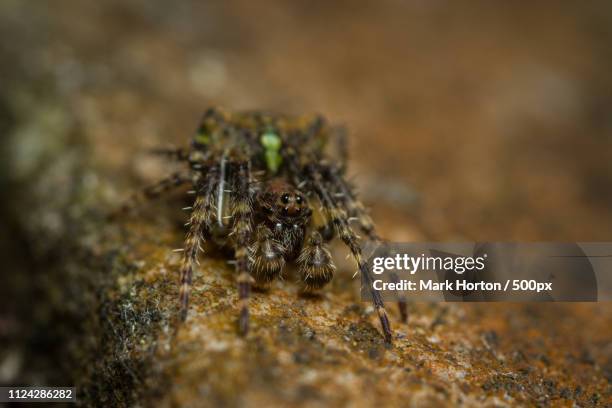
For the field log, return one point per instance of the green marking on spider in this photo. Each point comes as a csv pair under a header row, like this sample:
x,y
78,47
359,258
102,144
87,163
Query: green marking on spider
x,y
202,138
271,142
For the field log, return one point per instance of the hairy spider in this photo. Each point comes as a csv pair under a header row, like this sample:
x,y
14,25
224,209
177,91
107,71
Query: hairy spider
x,y
264,186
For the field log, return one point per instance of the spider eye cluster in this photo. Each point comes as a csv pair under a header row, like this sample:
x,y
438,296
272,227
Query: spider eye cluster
x,y
291,203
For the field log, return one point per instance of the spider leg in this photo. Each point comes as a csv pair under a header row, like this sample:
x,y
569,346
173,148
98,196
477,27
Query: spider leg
x,y
341,145
242,209
153,191
346,234
315,263
266,256
200,142
199,219
402,306
321,222
345,192
174,153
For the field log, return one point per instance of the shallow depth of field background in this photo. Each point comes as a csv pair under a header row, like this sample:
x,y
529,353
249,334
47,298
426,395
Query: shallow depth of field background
x,y
468,121
479,121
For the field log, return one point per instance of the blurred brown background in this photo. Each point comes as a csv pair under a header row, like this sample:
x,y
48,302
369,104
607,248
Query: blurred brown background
x,y
468,121
486,120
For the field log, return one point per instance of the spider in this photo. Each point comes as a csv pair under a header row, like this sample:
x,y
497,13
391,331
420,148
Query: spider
x,y
264,186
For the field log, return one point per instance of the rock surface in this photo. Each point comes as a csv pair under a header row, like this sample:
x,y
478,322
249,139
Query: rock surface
x,y
89,302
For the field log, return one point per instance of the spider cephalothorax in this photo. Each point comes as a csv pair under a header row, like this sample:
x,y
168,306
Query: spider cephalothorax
x,y
265,185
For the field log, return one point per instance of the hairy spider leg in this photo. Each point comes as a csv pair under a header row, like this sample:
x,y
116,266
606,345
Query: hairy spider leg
x,y
315,262
339,133
242,215
346,193
345,233
322,223
266,256
153,191
173,153
198,221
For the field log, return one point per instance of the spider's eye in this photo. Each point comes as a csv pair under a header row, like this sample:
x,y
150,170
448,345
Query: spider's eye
x,y
299,199
285,198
